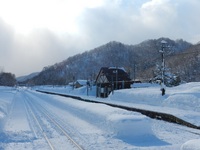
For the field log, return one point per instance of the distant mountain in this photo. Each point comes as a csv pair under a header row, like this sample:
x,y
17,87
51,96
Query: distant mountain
x,y
26,77
138,60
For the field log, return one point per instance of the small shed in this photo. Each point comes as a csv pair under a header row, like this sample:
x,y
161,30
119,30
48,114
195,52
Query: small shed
x,y
78,83
111,78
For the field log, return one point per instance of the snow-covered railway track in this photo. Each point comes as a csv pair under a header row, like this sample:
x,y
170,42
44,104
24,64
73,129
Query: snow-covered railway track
x,y
29,110
49,127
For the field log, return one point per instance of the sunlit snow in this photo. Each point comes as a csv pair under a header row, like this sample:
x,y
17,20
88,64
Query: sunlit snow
x,y
98,126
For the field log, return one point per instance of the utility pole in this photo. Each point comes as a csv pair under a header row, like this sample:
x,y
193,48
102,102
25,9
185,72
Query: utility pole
x,y
134,72
112,85
163,45
73,86
88,84
116,78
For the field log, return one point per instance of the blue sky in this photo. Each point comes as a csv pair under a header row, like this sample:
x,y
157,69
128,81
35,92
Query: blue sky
x,y
38,33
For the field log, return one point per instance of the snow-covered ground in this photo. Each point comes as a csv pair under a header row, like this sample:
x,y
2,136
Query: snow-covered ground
x,y
26,118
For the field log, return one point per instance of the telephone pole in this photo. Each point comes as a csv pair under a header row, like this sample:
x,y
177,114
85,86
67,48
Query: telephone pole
x,y
163,45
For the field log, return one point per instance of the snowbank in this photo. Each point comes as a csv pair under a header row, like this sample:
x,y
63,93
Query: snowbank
x,y
191,145
185,97
82,91
5,100
148,95
136,130
183,101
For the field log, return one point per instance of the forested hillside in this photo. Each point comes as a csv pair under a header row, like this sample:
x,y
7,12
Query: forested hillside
x,y
187,64
139,60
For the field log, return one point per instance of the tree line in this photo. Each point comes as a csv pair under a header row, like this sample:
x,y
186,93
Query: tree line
x,y
7,79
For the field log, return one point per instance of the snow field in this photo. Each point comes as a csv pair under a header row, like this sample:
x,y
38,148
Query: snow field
x,y
128,126
182,101
98,126
95,122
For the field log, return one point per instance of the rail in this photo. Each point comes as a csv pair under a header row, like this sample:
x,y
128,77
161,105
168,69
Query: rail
x,y
43,111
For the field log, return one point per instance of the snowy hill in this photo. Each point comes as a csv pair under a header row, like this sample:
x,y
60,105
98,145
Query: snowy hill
x,y
24,78
136,59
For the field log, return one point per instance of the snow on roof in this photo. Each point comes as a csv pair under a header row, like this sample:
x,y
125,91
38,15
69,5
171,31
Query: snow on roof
x,y
82,82
120,68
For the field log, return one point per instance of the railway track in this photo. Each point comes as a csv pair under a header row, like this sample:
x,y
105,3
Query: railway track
x,y
152,114
45,122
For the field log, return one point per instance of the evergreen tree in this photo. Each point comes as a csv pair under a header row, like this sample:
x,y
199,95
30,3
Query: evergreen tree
x,y
170,79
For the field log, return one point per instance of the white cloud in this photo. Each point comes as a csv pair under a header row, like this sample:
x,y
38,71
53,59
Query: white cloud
x,y
156,13
133,21
38,33
6,41
56,15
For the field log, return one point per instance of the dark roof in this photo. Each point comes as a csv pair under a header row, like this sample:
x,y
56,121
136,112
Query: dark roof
x,y
114,74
